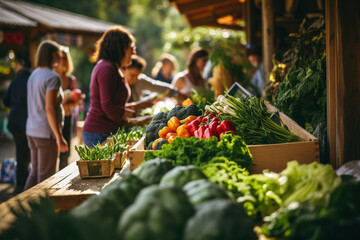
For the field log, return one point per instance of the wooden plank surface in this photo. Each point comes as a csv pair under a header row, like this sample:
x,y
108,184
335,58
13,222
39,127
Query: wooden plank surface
x,y
66,188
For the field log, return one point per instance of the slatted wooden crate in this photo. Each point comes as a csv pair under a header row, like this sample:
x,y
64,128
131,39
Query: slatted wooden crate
x,y
96,169
273,157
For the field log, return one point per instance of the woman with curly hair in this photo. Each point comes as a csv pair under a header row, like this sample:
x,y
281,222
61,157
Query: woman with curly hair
x,y
109,92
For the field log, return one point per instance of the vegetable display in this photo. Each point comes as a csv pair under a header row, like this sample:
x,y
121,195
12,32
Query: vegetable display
x,y
314,203
170,120
192,151
302,93
333,216
210,125
252,120
263,194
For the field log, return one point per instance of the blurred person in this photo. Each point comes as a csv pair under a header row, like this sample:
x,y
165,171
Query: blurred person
x,y
192,76
45,114
109,92
165,68
16,98
254,54
139,83
69,83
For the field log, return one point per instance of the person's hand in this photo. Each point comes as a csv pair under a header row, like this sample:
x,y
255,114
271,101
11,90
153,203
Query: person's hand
x,y
146,104
140,104
62,144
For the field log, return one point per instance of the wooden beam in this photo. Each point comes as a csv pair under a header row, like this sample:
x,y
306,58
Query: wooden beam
x,y
344,81
267,7
348,92
249,21
201,4
331,77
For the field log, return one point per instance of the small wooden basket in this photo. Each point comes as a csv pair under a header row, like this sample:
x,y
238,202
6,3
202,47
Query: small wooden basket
x,y
97,168
117,160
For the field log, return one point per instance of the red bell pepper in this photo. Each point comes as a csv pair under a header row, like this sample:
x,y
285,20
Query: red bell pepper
x,y
200,132
193,126
213,124
226,125
209,132
211,115
215,119
208,117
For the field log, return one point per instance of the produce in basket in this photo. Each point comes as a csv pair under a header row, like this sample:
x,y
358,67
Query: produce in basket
x,y
187,151
162,119
252,120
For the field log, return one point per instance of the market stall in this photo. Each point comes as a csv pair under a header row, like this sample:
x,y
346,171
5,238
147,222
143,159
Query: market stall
x,y
233,168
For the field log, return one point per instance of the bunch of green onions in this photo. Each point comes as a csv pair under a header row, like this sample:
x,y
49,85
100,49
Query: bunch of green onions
x,y
252,120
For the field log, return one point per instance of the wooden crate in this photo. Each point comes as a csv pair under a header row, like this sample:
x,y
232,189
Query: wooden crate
x,y
273,157
117,160
96,169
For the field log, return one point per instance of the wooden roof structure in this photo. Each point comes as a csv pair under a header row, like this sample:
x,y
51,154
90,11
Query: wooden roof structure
x,y
342,21
215,13
26,14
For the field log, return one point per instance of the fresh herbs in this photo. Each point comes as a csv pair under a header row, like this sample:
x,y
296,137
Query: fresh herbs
x,y
252,120
302,93
187,151
99,152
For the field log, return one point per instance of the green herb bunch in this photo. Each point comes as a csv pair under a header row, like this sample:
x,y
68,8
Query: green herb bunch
x,y
192,151
252,120
98,152
119,144
302,93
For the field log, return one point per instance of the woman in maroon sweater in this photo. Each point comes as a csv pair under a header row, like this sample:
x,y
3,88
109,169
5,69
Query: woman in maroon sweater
x,y
108,89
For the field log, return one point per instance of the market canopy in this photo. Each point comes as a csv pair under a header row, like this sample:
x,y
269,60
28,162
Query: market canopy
x,y
25,14
215,13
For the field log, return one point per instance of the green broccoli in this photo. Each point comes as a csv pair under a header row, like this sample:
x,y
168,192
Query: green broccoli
x,y
161,116
174,112
192,109
152,130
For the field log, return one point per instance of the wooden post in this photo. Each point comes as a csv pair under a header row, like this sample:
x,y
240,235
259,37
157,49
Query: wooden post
x,y
249,21
343,80
267,7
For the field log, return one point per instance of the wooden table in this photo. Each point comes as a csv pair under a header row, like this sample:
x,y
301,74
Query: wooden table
x,y
65,188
